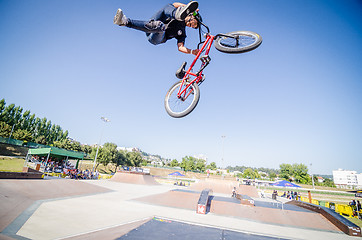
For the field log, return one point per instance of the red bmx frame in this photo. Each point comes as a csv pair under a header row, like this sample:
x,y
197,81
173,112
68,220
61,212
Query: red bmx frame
x,y
183,92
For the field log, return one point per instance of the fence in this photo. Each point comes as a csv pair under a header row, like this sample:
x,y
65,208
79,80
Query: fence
x,y
21,143
11,141
342,209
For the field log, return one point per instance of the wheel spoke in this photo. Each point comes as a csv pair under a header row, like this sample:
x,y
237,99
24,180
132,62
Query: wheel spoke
x,y
178,105
241,42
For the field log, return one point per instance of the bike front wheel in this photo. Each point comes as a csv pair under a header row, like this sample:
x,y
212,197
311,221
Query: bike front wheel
x,y
238,42
180,106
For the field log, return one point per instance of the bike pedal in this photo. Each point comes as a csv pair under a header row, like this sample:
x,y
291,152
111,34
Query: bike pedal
x,y
205,59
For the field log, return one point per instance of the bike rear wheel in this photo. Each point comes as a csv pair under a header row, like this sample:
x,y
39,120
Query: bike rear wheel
x,y
245,41
178,107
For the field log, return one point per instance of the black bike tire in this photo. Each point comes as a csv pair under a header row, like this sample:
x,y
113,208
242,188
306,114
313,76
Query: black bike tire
x,y
247,48
192,106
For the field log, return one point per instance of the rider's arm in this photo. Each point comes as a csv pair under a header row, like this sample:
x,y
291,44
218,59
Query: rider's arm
x,y
186,50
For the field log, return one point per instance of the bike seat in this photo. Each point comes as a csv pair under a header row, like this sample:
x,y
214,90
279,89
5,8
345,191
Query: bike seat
x,y
180,73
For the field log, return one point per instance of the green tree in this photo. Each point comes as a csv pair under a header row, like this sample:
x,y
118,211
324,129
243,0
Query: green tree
x,y
23,135
109,154
106,154
14,116
119,159
17,116
41,140
300,173
200,165
188,163
134,159
286,171
64,135
328,183
272,176
7,114
2,107
24,122
65,144
5,130
174,163
36,128
99,156
76,146
250,173
256,174
212,166
31,126
86,148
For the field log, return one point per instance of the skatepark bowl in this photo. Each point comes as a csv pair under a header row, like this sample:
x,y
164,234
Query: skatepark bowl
x,y
136,206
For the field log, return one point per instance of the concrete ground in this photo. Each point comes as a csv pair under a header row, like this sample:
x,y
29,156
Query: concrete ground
x,y
107,209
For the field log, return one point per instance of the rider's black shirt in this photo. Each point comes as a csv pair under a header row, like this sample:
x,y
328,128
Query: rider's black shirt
x,y
176,29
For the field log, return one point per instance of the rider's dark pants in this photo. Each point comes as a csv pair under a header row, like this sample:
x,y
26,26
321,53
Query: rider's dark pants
x,y
155,27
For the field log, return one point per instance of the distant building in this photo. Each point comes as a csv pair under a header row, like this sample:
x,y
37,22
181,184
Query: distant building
x,y
202,157
346,178
131,149
320,179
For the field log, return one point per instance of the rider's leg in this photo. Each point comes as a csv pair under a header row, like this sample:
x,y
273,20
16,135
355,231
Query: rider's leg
x,y
155,30
171,12
166,13
146,26
156,38
151,26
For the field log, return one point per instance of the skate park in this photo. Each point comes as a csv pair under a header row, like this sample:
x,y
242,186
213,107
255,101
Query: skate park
x,y
137,206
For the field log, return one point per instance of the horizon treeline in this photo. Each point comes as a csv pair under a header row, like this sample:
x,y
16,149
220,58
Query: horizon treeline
x,y
25,126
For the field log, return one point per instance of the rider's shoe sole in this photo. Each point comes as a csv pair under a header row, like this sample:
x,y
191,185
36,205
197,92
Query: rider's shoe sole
x,y
186,10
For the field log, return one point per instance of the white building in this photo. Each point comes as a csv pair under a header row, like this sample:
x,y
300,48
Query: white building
x,y
346,178
131,149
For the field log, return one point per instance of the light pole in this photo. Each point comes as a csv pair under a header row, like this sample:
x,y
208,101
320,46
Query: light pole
x,y
312,175
222,156
11,133
222,143
100,139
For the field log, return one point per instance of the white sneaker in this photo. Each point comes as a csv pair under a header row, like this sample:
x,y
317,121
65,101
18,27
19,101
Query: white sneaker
x,y
182,12
120,19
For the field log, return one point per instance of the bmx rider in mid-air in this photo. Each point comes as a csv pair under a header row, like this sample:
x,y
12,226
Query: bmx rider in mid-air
x,y
169,22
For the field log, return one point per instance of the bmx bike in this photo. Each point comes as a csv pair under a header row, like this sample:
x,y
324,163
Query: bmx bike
x,y
182,98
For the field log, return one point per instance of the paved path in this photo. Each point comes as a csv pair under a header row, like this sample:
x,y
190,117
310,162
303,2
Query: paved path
x,y
111,213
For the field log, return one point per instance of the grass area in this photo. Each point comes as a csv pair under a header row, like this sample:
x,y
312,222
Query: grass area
x,y
8,164
88,164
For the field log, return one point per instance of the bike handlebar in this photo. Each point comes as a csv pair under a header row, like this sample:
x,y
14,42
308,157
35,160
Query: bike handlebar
x,y
199,20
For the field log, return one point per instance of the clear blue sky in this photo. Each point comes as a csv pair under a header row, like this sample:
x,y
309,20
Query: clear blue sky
x,y
295,99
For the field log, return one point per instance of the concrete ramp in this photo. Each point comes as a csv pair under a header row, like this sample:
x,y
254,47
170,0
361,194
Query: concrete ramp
x,y
227,206
217,186
248,190
18,194
134,178
225,186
